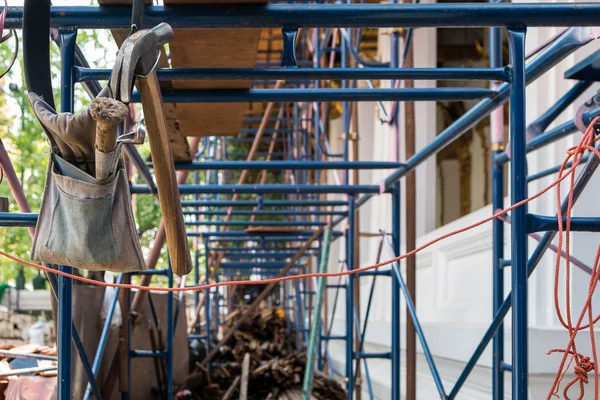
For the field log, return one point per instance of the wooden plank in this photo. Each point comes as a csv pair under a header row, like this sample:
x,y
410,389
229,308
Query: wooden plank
x,y
213,48
166,180
245,376
229,393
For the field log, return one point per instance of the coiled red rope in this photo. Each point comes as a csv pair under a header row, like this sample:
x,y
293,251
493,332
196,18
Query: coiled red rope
x,y
583,364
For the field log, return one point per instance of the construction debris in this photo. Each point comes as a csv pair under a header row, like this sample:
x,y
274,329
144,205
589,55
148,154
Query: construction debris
x,y
19,363
261,358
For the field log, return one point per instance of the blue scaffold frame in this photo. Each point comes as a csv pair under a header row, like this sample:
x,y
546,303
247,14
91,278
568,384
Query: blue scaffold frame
x,y
303,200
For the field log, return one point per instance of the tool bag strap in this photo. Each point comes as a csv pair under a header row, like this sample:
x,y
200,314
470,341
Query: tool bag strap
x,y
36,53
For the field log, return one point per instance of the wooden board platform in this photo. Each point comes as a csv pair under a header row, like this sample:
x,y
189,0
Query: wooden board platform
x,y
212,48
204,48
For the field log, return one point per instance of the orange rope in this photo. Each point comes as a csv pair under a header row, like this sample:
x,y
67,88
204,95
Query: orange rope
x,y
583,365
577,150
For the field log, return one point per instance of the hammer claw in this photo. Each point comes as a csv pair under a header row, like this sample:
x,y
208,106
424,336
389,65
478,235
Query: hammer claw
x,y
137,57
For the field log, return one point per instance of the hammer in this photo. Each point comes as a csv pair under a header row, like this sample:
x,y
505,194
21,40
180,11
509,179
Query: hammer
x,y
138,57
108,114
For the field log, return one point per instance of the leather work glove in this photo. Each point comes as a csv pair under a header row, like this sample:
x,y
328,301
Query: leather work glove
x,y
72,136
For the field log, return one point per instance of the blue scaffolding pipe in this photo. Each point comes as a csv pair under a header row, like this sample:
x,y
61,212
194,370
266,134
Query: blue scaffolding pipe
x,y
254,131
104,336
65,285
542,223
418,329
396,312
553,170
538,126
322,15
578,263
495,56
350,232
255,223
18,219
285,165
269,188
266,238
551,136
261,252
257,254
287,74
518,178
263,212
303,95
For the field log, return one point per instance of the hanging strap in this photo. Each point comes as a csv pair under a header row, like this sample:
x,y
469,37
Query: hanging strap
x,y
36,48
36,55
137,15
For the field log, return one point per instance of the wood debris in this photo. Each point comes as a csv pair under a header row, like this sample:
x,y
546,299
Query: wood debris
x,y
16,379
267,344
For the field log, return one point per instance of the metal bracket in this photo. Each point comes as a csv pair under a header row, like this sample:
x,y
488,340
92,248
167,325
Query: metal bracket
x,y
288,57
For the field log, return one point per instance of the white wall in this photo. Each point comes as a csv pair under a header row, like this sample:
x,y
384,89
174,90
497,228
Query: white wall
x,y
454,277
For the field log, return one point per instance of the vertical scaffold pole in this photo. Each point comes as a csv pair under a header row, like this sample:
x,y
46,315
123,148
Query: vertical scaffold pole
x,y
497,142
65,285
207,302
518,179
350,296
395,350
316,326
396,201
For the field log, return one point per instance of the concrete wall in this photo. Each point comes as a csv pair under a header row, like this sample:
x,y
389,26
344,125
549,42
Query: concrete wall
x,y
454,277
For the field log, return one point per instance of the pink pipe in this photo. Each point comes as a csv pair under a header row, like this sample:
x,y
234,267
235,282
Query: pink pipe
x,y
14,184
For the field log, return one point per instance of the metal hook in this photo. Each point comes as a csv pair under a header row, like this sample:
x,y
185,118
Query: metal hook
x,y
153,67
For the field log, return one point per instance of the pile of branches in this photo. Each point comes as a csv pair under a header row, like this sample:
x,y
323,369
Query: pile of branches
x,y
275,366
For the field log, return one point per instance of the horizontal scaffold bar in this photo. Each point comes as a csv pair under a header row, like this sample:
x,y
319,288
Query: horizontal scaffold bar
x,y
264,203
302,95
495,74
249,238
555,169
255,223
322,15
261,254
552,135
232,249
542,223
274,165
18,219
250,265
271,188
254,235
264,212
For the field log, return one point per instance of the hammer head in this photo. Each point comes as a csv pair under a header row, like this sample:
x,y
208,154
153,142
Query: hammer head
x,y
137,56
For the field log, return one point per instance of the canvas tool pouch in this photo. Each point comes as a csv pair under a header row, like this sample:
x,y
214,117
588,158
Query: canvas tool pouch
x,y
83,222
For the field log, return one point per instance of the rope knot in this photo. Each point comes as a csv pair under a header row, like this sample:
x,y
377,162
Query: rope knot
x,y
583,366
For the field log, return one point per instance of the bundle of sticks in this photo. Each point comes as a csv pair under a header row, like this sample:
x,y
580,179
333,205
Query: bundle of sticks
x,y
261,361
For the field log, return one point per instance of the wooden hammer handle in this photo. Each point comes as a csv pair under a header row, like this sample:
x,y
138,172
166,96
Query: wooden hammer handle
x,y
108,114
106,138
166,181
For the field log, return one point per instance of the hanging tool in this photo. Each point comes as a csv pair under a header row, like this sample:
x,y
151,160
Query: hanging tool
x,y
108,114
137,58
